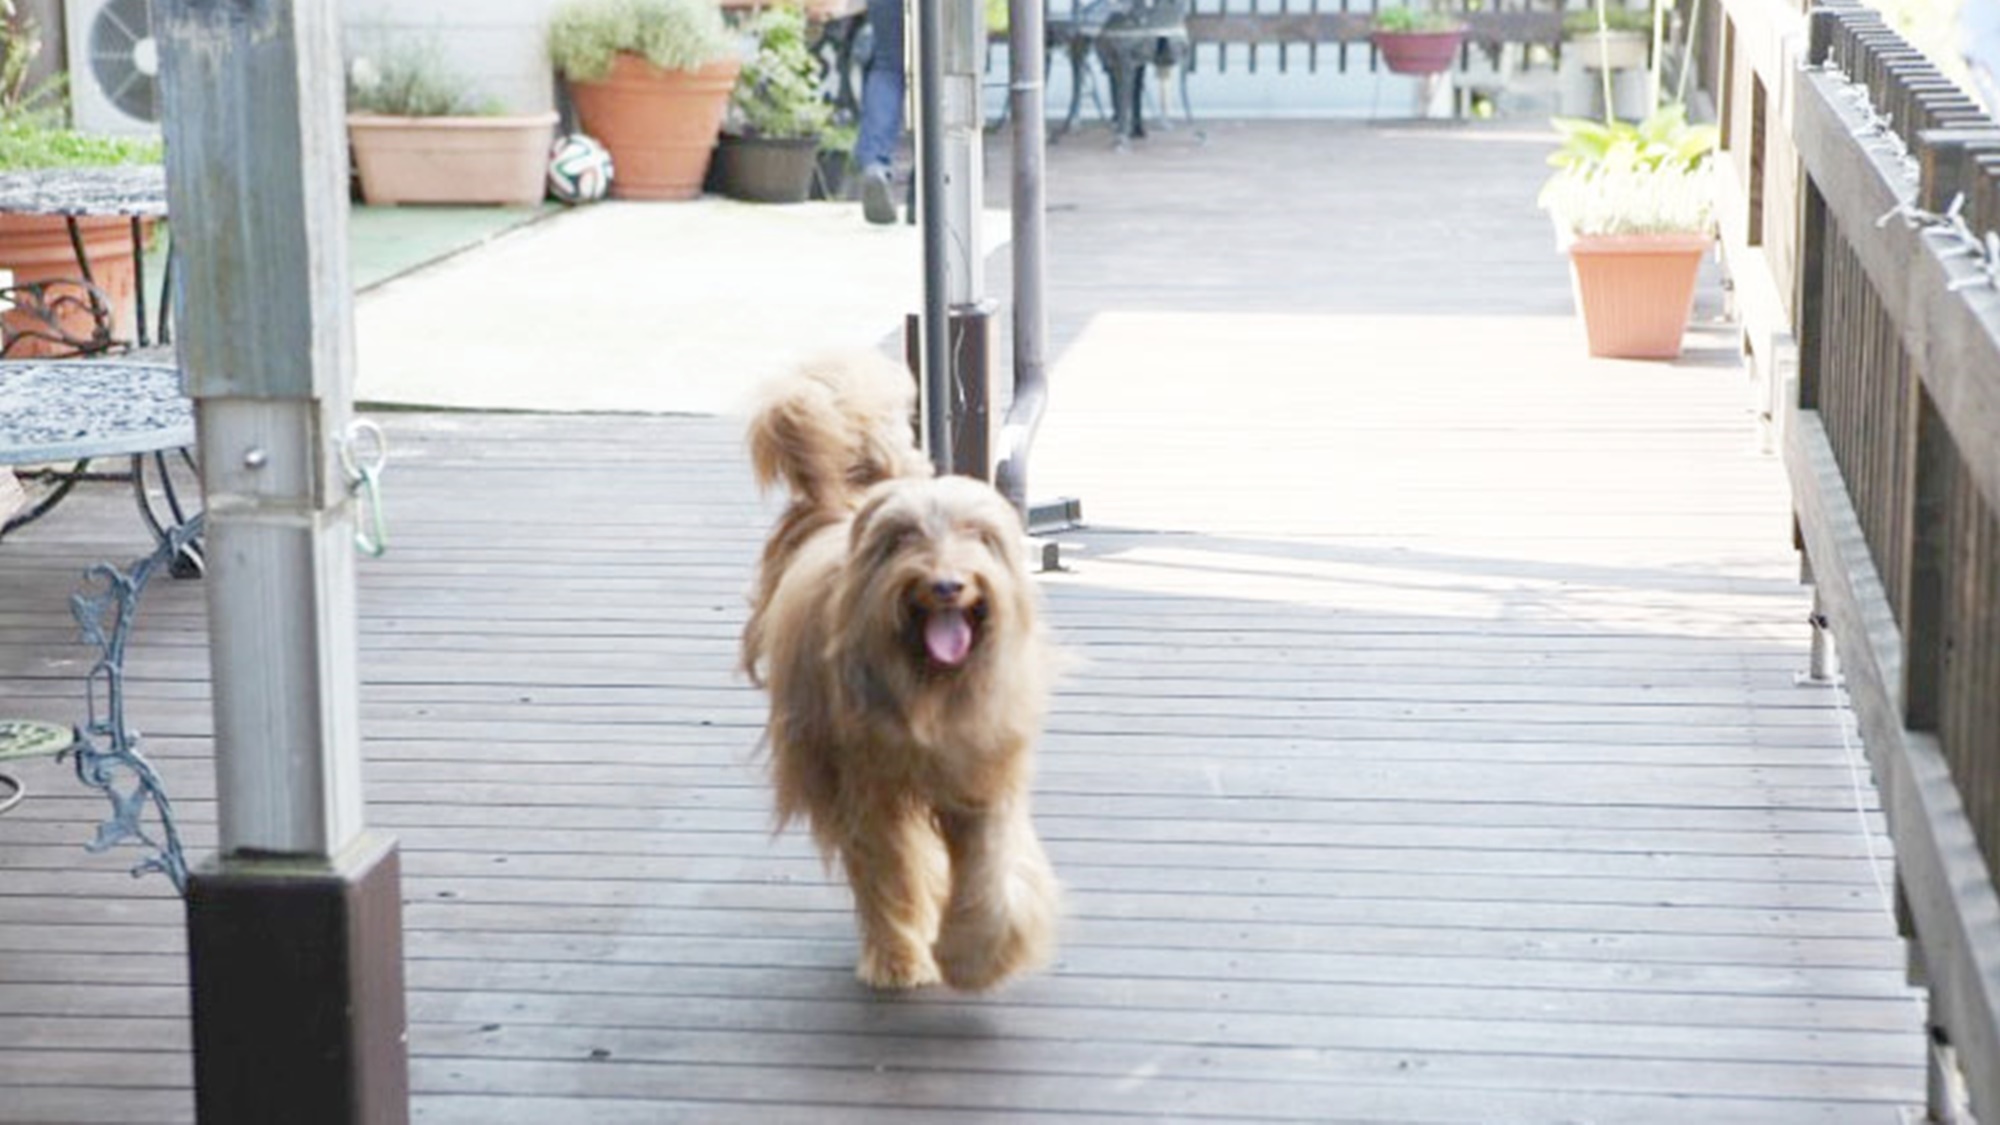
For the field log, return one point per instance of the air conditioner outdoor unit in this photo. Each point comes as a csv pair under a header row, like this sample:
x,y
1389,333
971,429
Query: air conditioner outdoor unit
x,y
113,66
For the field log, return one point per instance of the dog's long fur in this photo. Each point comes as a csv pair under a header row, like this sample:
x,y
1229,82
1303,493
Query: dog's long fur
x,y
911,767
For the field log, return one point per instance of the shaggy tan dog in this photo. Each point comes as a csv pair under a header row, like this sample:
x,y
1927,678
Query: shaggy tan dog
x,y
899,636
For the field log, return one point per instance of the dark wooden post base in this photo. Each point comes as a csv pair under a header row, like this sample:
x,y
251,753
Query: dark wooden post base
x,y
971,378
297,974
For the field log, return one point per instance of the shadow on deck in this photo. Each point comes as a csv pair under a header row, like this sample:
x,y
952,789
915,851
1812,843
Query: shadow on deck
x,y
1434,754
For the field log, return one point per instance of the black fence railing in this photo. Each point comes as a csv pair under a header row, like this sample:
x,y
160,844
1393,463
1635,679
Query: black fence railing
x,y
1861,196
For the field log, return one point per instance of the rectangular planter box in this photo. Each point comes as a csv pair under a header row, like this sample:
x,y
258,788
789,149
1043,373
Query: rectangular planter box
x,y
502,160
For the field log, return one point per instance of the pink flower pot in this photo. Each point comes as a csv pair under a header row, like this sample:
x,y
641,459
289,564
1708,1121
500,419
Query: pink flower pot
x,y
1418,52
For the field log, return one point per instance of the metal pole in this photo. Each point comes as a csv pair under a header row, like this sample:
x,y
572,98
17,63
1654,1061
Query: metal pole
x,y
1025,48
930,201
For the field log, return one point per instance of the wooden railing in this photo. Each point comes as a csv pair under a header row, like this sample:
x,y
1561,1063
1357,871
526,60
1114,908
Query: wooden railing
x,y
1312,35
1861,192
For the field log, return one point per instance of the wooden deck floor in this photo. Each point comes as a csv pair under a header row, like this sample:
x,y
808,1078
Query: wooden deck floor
x,y
1433,754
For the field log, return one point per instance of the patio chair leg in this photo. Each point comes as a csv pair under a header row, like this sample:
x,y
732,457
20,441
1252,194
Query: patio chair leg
x,y
1820,660
64,482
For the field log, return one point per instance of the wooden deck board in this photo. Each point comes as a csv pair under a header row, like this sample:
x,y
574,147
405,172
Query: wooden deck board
x,y
1432,752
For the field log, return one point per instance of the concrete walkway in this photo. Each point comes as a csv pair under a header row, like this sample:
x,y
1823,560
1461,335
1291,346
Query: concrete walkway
x,y
634,307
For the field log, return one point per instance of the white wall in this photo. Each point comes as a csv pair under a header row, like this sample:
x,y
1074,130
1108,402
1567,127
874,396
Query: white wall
x,y
500,44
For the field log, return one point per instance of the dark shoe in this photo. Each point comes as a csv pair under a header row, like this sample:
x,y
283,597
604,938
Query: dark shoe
x,y
878,195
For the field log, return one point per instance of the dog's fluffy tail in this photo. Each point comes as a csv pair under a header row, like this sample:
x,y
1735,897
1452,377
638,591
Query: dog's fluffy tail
x,y
835,427
828,432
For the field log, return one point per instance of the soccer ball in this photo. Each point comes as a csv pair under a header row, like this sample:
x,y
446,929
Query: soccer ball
x,y
579,169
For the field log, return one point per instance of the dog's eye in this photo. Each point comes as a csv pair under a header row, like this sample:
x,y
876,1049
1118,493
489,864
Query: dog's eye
x,y
890,538
988,535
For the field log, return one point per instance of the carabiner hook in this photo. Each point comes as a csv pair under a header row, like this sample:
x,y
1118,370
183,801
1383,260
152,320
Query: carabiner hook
x,y
364,453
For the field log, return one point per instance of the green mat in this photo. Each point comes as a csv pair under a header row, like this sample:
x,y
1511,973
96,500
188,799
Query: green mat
x,y
386,242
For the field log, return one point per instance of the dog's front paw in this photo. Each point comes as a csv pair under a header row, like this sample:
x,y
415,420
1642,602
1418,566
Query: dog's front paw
x,y
980,947
889,970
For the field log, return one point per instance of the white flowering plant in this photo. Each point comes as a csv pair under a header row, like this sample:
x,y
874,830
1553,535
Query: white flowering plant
x,y
1620,177
413,79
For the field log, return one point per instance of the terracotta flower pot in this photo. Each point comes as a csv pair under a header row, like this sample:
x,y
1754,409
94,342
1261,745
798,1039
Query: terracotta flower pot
x,y
660,125
36,248
1636,290
1418,52
501,159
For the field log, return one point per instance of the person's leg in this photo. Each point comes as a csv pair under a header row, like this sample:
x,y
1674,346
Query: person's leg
x,y
882,85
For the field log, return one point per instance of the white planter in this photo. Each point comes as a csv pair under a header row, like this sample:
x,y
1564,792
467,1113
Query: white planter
x,y
497,160
1580,82
1610,50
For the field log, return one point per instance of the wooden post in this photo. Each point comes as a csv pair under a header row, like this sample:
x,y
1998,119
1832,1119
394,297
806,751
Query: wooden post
x,y
295,937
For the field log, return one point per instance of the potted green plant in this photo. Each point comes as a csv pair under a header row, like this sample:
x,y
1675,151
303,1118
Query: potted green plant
x,y
1417,41
1633,205
651,80
36,248
421,134
777,117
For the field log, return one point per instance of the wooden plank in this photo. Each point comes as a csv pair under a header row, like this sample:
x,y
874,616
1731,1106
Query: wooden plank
x,y
37,1104
491,832
1004,1056
1286,27
1379,1091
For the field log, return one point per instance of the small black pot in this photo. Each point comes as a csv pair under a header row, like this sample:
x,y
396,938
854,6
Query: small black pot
x,y
764,169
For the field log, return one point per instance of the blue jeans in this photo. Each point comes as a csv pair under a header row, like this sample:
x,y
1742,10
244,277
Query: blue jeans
x,y
882,87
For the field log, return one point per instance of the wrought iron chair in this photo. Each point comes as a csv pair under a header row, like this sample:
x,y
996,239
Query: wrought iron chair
x,y
1128,36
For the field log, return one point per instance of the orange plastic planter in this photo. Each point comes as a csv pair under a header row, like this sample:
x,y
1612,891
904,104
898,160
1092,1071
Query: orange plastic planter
x,y
660,125
36,248
1635,291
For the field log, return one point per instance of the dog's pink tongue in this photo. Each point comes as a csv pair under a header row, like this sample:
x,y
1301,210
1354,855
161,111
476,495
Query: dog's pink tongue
x,y
948,637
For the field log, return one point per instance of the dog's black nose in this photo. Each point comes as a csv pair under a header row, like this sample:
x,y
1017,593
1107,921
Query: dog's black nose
x,y
947,589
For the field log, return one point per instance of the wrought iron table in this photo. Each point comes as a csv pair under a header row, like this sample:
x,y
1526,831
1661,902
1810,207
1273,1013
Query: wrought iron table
x,y
72,411
26,738
77,410
137,193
